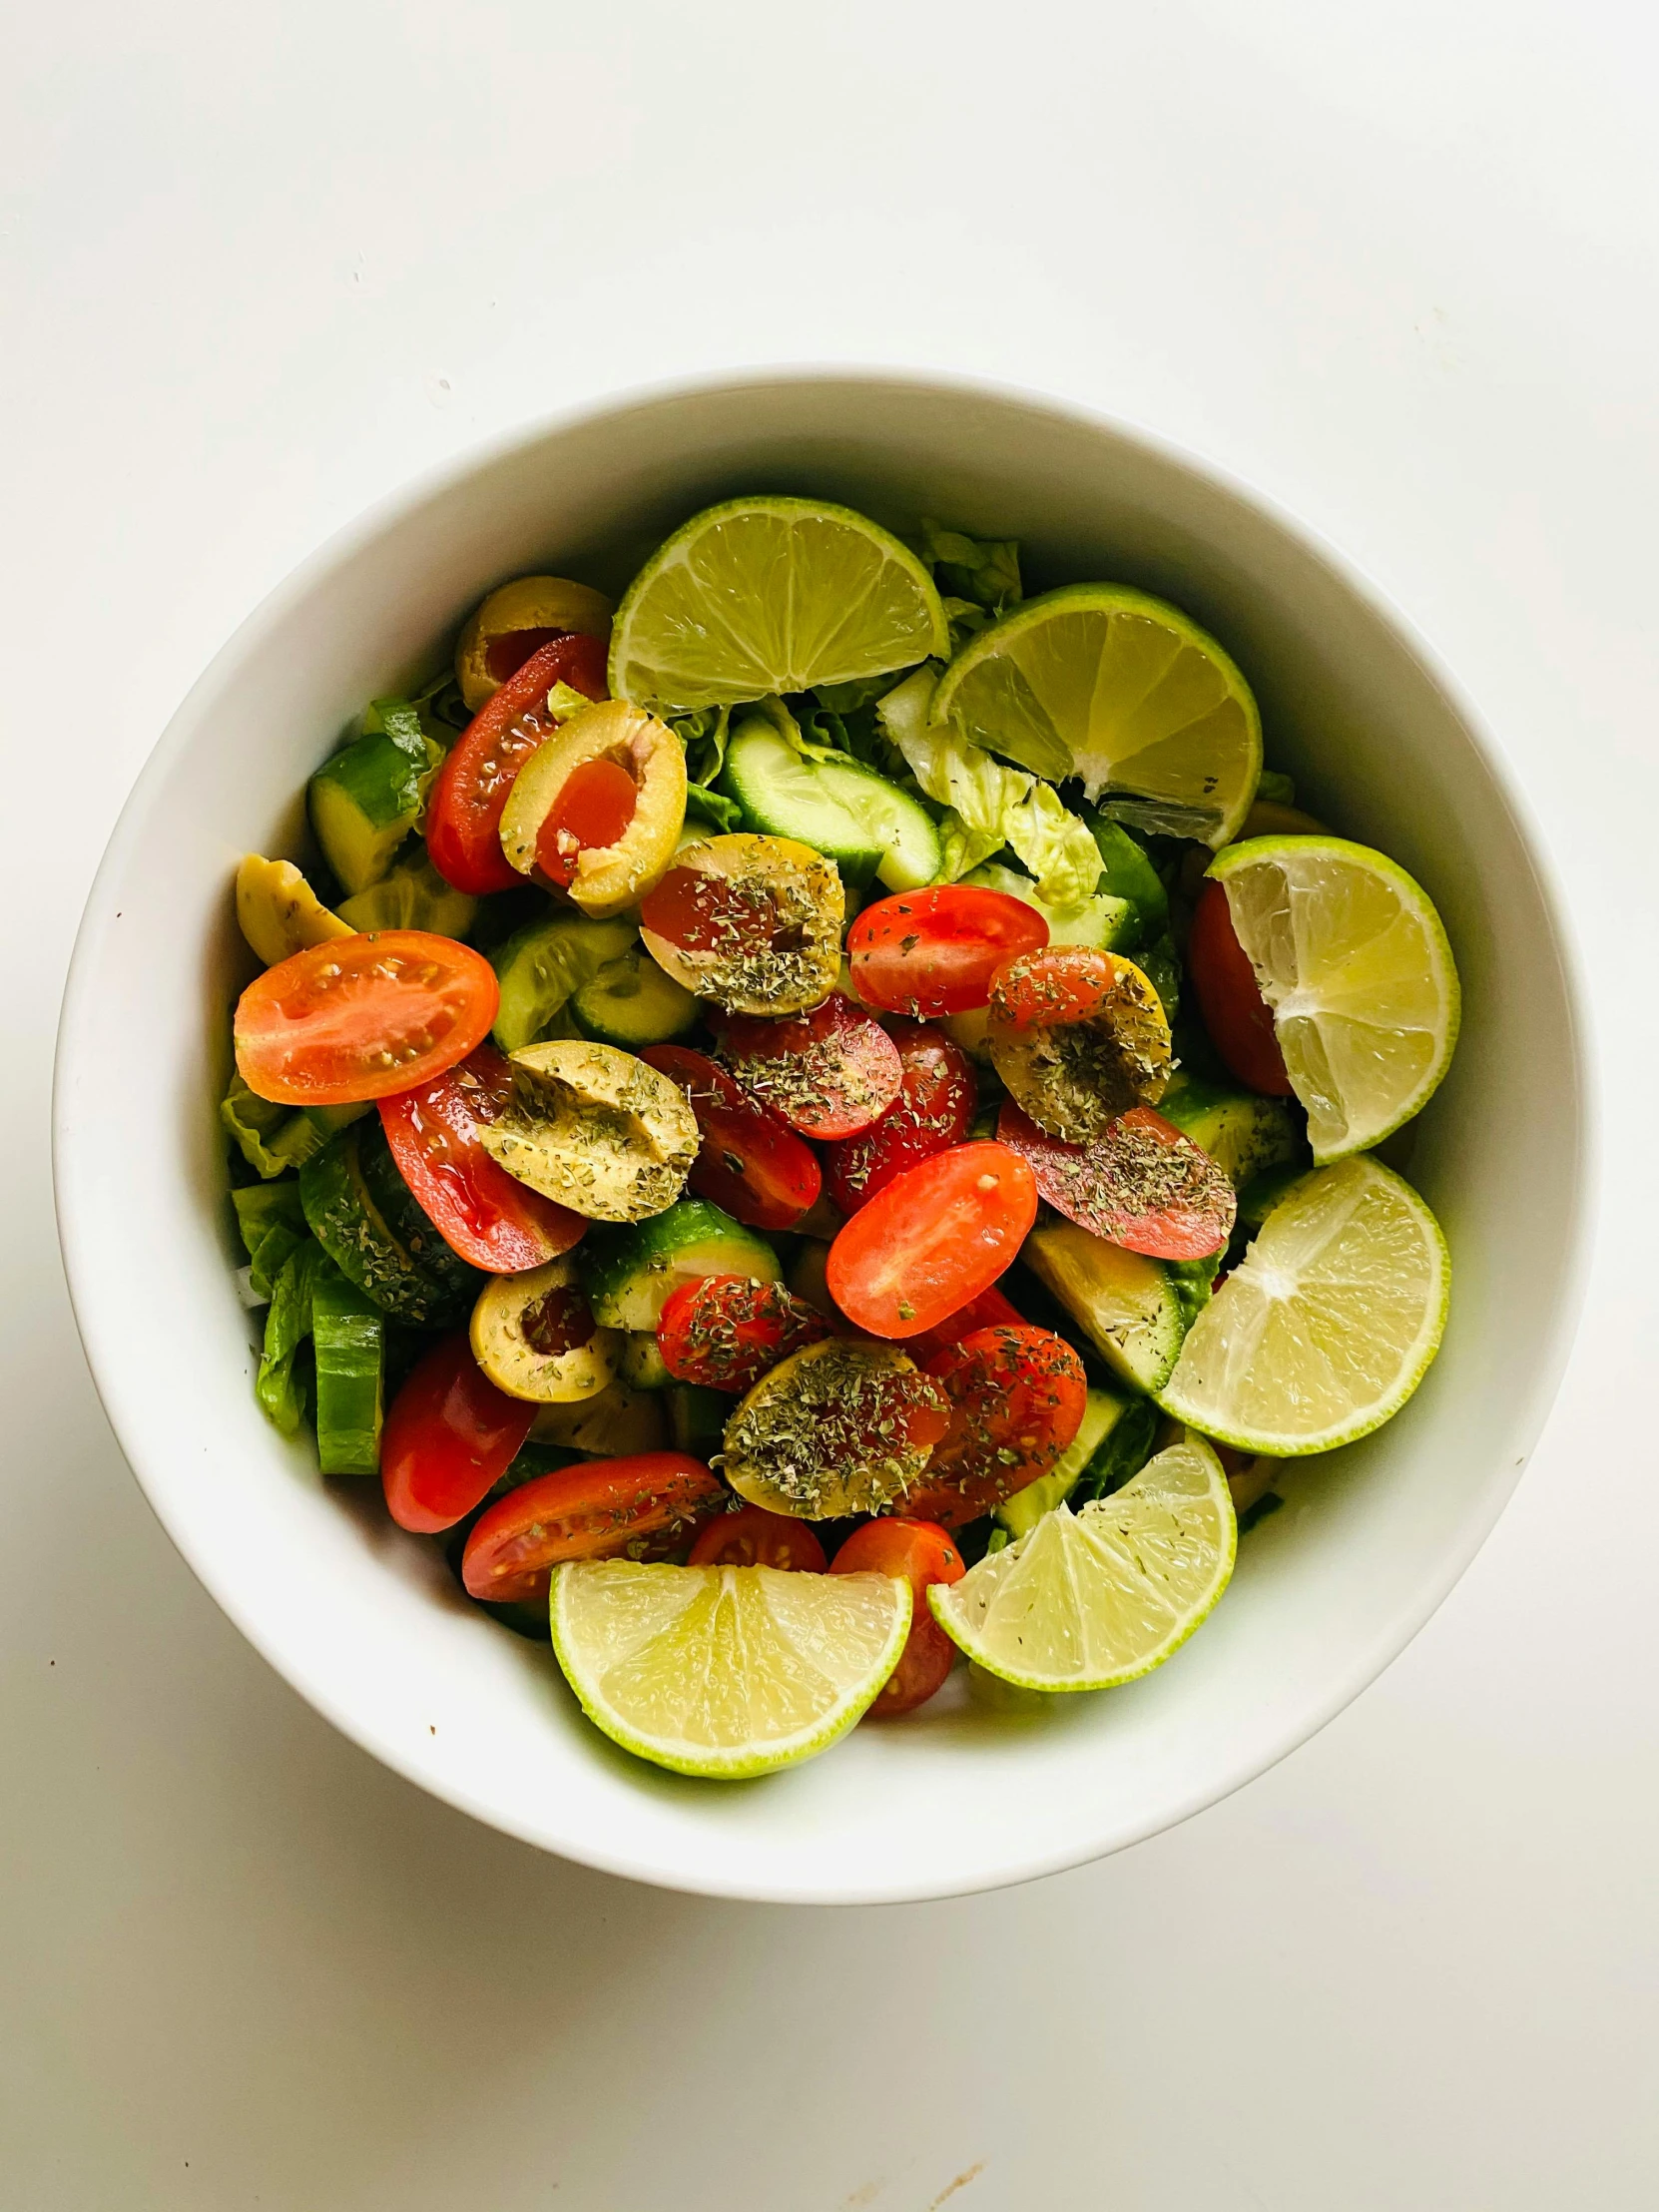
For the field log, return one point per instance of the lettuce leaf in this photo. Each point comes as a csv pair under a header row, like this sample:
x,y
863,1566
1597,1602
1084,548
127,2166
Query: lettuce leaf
x,y
715,806
279,1391
273,1226
983,572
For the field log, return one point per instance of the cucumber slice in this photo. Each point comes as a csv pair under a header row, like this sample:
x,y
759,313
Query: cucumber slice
x,y
413,897
632,1003
1241,1131
390,1259
544,964
365,801
642,1366
783,796
1126,1304
1114,1443
349,1337
631,1272
911,851
1106,922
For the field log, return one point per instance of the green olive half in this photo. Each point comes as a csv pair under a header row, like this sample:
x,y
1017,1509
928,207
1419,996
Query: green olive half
x,y
279,912
610,878
595,1129
537,607
1074,1078
829,1430
535,1338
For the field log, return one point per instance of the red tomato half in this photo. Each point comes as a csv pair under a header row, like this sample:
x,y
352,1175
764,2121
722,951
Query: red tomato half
x,y
1016,1401
1141,1184
464,815
983,1312
932,1240
829,1073
726,1330
752,1537
642,1507
934,951
749,1162
924,1553
1237,1016
362,1017
487,1215
934,1111
450,1436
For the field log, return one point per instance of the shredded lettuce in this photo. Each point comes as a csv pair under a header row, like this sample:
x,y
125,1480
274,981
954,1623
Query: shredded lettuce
x,y
715,806
1280,788
279,1389
273,1226
980,572
398,719
273,1137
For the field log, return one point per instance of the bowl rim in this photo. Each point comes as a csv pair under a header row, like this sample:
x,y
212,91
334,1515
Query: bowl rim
x,y
77,1234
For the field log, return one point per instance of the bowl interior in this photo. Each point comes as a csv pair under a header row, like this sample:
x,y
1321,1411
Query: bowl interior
x,y
363,1620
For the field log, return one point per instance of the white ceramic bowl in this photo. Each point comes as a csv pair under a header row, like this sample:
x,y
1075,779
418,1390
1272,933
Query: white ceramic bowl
x,y
363,1620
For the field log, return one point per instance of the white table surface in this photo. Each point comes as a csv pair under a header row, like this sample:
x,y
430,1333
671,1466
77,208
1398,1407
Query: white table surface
x,y
1395,264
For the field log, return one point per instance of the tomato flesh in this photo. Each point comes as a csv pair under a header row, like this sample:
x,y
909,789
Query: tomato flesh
x,y
725,1331
933,1239
1017,1395
506,655
924,1553
1236,1016
644,1506
983,1312
709,914
934,1110
1141,1184
449,1437
487,1215
829,1073
464,815
1044,990
593,809
362,1017
749,1163
752,1537
933,952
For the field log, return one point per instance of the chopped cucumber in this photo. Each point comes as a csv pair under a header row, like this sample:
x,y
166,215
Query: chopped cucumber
x,y
631,1272
632,1003
413,897
911,851
1241,1132
544,964
365,801
1127,872
618,1421
366,1218
1113,1443
859,819
349,1334
1125,1304
642,1366
1108,923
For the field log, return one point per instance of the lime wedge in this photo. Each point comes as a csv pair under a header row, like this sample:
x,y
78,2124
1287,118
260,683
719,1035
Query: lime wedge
x,y
1354,962
725,1671
1327,1323
1104,682
771,595
1085,1601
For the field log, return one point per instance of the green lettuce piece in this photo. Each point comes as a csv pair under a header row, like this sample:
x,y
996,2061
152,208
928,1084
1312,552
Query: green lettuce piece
x,y
704,735
1280,788
273,1137
399,719
982,571
273,1226
287,1323
715,806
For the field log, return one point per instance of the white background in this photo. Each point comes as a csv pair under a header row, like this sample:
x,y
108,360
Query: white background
x,y
1396,266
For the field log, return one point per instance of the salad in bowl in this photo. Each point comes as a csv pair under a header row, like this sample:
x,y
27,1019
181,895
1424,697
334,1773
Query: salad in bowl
x,y
828,1120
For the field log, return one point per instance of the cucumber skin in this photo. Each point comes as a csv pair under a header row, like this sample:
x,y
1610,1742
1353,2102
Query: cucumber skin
x,y
544,964
349,1335
344,1218
363,803
911,857
657,1012
748,778
1244,1132
1143,1357
629,1273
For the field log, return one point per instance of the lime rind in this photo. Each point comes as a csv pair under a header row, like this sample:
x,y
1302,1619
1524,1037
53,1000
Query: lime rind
x,y
821,1646
1115,1591
1439,970
706,624
1054,686
1187,1398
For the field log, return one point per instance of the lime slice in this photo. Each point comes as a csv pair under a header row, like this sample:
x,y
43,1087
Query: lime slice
x,y
771,595
1354,962
1088,1600
725,1671
1327,1323
1102,682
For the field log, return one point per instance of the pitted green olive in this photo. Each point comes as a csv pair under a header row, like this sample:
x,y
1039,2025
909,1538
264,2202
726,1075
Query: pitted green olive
x,y
753,922
602,880
514,621
279,912
1075,1076
595,1129
535,1338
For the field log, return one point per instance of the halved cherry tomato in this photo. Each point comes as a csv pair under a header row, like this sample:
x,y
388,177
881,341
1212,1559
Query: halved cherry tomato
x,y
594,806
1067,982
751,1163
726,1330
362,1017
938,1236
924,1553
934,1111
983,1312
829,1073
464,815
1017,1396
642,1506
1237,1016
1141,1184
487,1215
752,1537
449,1437
505,655
934,951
